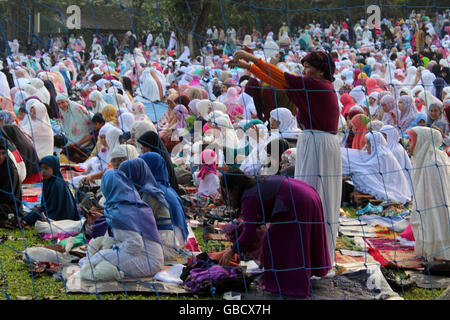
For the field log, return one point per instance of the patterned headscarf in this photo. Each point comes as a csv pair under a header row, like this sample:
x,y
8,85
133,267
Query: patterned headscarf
x,y
7,117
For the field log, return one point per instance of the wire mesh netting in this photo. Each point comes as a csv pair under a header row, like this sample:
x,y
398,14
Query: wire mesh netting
x,y
224,149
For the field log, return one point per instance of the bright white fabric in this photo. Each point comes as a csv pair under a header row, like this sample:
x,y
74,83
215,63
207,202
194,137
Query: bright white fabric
x,y
378,173
136,256
430,220
4,86
393,137
124,151
39,129
270,48
112,139
126,120
319,164
287,127
208,186
99,102
149,88
41,91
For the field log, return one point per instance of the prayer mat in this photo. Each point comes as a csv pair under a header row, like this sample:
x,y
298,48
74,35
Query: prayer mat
x,y
31,193
68,175
76,284
344,261
390,253
358,231
363,283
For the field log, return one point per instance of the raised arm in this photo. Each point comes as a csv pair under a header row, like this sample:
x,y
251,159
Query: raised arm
x,y
266,72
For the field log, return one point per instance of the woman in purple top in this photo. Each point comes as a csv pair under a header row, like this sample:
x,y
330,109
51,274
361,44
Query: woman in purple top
x,y
295,245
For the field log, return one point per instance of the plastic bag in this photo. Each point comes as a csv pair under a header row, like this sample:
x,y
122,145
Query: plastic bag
x,y
103,271
38,254
100,243
61,226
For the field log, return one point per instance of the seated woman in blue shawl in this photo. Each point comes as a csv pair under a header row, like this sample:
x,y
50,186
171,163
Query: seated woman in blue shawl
x,y
57,202
140,175
137,252
159,170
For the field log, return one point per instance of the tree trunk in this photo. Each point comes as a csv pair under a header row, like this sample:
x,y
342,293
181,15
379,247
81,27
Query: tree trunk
x,y
199,25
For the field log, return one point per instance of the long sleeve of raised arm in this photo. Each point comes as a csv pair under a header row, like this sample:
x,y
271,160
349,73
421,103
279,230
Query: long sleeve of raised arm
x,y
263,76
272,71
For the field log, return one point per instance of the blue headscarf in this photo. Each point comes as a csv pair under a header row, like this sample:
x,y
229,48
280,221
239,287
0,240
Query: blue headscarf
x,y
415,123
158,167
367,70
57,199
124,208
141,176
420,116
66,79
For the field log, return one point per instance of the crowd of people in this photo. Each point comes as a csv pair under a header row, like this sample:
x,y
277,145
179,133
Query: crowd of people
x,y
271,125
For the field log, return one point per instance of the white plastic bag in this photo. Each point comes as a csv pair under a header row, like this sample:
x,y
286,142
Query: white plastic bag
x,y
38,254
100,243
103,271
61,226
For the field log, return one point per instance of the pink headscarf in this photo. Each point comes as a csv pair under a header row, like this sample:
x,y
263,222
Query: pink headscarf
x,y
182,113
195,82
237,110
231,100
209,163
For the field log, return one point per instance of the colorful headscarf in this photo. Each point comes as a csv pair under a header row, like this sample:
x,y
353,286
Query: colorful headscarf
x,y
359,122
209,163
181,113
109,113
7,117
408,114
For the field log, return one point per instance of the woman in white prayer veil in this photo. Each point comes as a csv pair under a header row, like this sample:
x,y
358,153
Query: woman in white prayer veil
x,y
139,57
258,138
41,91
19,99
185,55
427,98
97,101
148,87
227,138
271,49
285,126
376,171
427,81
30,90
38,126
284,41
161,77
411,73
172,42
138,129
390,72
430,217
392,136
359,95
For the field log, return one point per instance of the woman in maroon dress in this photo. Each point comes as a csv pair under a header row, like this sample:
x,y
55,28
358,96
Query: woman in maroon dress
x,y
318,160
294,246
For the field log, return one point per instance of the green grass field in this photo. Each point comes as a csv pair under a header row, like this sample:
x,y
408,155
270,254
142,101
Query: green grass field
x,y
17,284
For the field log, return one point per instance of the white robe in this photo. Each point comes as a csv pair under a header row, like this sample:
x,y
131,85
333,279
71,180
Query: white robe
x,y
378,173
430,219
40,129
318,163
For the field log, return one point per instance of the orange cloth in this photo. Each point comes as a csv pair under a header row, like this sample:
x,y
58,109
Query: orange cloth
x,y
269,73
359,123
